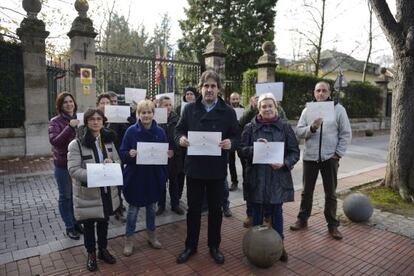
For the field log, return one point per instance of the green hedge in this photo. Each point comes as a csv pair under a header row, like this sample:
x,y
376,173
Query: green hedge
x,y
362,100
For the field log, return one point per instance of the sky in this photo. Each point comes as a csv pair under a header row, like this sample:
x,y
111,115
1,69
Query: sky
x,y
346,23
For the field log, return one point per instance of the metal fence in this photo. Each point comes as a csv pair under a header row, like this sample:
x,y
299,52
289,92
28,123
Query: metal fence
x,y
58,80
115,72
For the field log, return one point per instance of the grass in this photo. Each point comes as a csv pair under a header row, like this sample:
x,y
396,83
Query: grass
x,y
386,199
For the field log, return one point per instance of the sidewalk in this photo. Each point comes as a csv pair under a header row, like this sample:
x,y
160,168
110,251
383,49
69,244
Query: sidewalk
x,y
364,250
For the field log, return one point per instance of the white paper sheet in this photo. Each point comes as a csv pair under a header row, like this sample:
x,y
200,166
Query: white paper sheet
x,y
117,113
161,115
79,116
134,94
104,175
204,143
276,88
169,95
239,112
152,153
323,110
268,153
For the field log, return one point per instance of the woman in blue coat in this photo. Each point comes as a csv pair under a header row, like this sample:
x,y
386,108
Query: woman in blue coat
x,y
269,185
143,184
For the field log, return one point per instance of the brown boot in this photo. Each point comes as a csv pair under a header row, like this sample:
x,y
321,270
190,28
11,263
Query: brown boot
x,y
247,222
299,224
334,232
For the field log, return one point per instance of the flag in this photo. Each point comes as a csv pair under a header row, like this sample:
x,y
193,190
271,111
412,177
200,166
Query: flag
x,y
164,64
157,68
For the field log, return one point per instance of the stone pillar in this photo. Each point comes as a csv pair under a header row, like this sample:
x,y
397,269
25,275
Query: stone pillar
x,y
266,64
32,34
215,53
382,83
82,55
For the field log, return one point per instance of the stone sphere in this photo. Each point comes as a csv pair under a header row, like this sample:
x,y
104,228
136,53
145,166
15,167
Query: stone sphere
x,y
32,7
262,246
357,207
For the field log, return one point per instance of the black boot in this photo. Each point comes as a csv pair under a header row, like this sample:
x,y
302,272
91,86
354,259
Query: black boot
x,y
106,256
91,265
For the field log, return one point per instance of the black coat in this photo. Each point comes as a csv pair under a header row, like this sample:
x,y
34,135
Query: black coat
x,y
175,163
221,118
265,185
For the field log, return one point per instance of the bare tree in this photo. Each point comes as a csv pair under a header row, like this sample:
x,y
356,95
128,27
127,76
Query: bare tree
x,y
399,31
314,39
364,72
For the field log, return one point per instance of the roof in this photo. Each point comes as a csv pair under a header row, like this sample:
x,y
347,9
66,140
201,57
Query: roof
x,y
332,60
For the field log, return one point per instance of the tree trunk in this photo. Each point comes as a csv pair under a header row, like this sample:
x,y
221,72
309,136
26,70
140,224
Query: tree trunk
x,y
400,168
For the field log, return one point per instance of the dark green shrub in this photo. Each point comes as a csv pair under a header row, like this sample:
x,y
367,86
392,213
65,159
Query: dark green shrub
x,y
362,100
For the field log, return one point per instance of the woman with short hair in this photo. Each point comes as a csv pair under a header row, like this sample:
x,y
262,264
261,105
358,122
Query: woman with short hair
x,y
93,205
269,185
143,184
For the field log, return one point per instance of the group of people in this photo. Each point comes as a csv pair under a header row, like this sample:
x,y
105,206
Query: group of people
x,y
265,186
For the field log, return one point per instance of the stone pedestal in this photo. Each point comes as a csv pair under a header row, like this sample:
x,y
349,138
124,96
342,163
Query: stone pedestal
x,y
215,53
82,55
266,64
32,34
382,83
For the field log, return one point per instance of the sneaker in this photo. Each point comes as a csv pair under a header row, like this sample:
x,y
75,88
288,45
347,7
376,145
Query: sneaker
x,y
160,210
73,234
128,246
178,210
299,224
227,212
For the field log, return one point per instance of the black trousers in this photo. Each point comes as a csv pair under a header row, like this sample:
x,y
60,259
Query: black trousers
x,y
173,189
329,172
195,194
89,234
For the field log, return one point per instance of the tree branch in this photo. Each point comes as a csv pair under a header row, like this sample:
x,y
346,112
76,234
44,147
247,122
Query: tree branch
x,y
387,21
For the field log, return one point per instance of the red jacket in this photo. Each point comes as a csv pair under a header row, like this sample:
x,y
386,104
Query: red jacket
x,y
60,135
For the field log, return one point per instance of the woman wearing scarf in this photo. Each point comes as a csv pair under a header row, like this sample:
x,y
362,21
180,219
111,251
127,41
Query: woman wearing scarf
x,y
93,205
269,185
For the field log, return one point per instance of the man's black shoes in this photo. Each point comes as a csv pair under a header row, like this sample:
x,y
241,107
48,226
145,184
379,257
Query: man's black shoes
x,y
217,255
185,255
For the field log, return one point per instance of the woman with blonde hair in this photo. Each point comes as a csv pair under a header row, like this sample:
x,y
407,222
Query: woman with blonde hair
x,y
143,184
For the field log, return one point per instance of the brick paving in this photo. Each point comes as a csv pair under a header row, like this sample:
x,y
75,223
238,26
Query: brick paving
x,y
364,251
32,227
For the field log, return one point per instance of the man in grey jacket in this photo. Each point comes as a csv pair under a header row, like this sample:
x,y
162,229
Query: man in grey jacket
x,y
325,145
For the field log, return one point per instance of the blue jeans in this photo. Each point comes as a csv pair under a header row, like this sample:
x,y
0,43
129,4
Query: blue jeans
x,y
64,182
276,214
133,215
226,202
